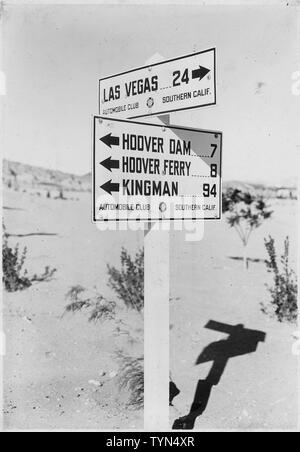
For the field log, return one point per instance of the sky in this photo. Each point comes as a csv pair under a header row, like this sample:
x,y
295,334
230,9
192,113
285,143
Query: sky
x,y
53,56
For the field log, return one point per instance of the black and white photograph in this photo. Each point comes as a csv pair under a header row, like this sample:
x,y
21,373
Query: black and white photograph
x,y
150,164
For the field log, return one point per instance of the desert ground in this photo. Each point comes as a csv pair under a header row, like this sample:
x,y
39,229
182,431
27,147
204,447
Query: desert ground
x,y
213,293
60,370
55,363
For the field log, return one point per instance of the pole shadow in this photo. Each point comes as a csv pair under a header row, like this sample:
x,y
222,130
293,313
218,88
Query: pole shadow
x,y
173,392
241,341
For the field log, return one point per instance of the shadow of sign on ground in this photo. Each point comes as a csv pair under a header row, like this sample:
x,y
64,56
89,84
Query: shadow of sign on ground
x,y
240,341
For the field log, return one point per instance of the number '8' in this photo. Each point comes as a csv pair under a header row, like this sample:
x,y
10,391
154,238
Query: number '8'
x,y
213,170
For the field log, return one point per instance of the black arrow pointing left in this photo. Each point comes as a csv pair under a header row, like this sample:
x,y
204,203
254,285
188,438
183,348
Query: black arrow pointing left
x,y
200,73
110,187
110,141
110,164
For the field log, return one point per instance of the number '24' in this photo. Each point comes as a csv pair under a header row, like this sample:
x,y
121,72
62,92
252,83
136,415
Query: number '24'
x,y
178,78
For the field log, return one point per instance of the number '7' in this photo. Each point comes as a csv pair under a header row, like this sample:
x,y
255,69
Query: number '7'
x,y
215,147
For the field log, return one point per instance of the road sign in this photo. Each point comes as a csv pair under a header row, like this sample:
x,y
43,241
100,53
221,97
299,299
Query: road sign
x,y
178,84
151,172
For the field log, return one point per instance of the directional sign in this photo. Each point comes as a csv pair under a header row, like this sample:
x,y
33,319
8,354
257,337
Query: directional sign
x,y
177,84
151,172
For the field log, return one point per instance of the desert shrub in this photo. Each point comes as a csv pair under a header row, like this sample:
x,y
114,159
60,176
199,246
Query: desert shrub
x,y
75,302
284,291
46,276
131,377
127,331
76,306
127,335
128,283
103,309
244,212
75,292
99,308
15,277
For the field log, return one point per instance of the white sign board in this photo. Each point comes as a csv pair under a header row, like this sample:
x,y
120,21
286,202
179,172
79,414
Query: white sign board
x,y
178,84
144,172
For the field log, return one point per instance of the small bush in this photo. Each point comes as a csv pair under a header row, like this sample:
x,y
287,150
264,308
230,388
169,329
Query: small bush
x,y
75,292
245,212
127,332
14,276
99,308
76,304
128,283
284,291
46,276
131,377
103,309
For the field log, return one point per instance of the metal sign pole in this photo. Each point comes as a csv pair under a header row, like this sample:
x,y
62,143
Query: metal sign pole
x,y
156,315
156,329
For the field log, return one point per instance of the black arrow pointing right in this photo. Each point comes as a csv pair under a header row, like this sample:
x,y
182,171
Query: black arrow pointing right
x,y
110,141
200,73
110,187
110,164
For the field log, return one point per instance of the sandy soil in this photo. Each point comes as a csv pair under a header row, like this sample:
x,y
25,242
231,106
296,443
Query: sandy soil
x,y
53,361
257,389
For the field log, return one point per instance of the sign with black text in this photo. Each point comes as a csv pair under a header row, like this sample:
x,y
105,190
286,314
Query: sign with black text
x,y
145,172
178,84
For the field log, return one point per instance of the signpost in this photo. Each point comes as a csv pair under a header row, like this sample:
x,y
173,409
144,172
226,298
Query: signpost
x,y
156,172
150,172
178,84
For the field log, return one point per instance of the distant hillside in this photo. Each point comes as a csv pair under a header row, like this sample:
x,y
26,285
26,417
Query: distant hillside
x,y
288,191
21,176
